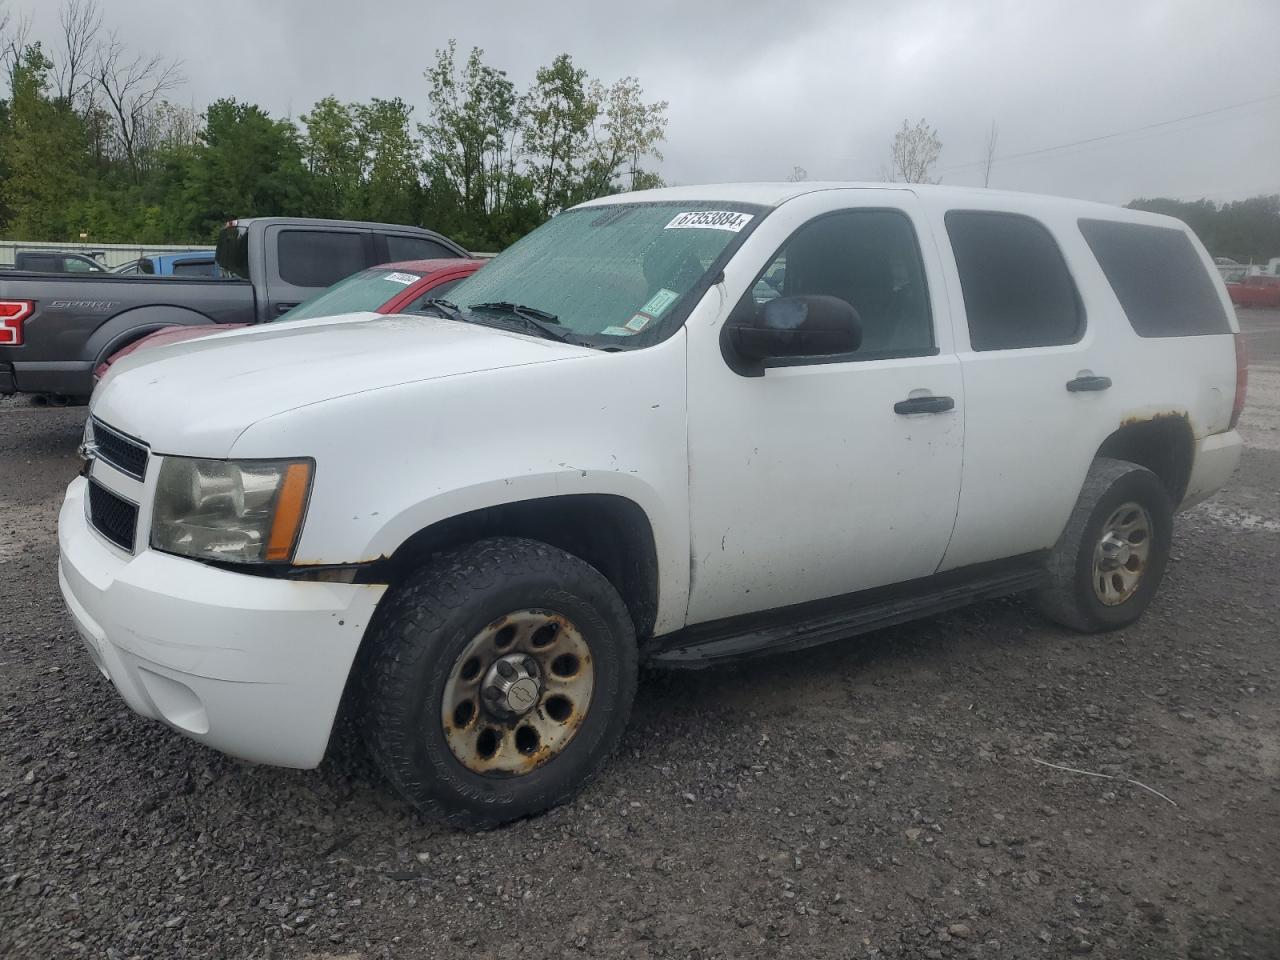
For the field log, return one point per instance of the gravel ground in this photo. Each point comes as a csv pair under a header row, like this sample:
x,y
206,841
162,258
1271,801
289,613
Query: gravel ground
x,y
876,799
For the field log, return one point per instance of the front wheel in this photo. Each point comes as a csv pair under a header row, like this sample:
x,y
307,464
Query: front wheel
x,y
500,679
1111,557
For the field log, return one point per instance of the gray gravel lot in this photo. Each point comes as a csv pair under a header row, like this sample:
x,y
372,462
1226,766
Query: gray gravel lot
x,y
877,798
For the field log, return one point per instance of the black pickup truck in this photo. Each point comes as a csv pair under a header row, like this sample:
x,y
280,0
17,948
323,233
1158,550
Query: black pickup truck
x,y
54,330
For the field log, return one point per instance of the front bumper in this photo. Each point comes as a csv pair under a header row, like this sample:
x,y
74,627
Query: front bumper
x,y
1216,457
252,666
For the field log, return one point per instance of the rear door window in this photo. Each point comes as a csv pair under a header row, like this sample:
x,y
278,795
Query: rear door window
x,y
1158,277
1017,289
318,258
415,248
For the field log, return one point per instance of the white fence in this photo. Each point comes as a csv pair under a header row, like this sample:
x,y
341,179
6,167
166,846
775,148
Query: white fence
x,y
110,254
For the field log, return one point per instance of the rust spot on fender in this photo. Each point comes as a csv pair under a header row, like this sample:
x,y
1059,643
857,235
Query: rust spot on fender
x,y
1149,416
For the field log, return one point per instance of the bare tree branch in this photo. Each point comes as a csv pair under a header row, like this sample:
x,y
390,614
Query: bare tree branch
x,y
993,136
133,84
80,21
12,43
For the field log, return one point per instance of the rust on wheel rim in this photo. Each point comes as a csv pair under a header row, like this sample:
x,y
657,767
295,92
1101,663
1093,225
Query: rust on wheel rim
x,y
1120,556
518,693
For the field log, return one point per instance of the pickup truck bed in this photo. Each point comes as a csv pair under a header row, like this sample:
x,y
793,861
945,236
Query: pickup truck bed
x,y
90,317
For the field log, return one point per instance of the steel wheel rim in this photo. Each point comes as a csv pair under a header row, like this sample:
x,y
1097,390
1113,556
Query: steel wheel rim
x,y
1120,556
520,728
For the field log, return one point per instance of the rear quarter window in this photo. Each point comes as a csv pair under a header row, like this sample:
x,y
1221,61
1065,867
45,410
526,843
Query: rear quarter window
x,y
1158,277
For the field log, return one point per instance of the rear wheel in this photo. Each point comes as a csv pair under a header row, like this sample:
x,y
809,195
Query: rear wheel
x,y
500,679
1110,559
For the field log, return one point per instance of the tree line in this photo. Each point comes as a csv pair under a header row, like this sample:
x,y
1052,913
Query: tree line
x,y
93,142
1247,231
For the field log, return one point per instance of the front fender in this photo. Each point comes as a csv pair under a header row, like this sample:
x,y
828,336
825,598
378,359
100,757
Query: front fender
x,y
394,461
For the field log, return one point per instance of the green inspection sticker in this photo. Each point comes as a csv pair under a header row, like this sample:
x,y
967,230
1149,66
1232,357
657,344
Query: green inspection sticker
x,y
659,302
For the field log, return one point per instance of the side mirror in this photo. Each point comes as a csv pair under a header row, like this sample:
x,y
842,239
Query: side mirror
x,y
793,327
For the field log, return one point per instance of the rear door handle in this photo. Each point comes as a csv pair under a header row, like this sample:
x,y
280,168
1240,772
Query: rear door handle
x,y
924,405
1088,384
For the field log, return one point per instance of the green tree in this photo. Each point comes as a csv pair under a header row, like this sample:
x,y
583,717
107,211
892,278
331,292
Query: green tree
x,y
44,154
246,164
914,151
557,132
332,153
390,157
472,133
628,131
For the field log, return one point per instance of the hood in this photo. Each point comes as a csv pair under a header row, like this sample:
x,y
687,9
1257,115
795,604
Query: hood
x,y
197,397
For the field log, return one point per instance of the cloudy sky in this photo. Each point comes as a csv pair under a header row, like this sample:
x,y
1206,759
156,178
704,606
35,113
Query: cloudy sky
x,y
757,88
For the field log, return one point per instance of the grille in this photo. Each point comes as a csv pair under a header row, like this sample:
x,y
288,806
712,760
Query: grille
x,y
125,454
112,516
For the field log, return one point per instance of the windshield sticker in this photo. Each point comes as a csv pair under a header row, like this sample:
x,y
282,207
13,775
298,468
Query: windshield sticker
x,y
405,278
710,220
639,322
616,332
659,302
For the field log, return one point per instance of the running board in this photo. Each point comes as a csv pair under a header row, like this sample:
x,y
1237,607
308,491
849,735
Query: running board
x,y
789,629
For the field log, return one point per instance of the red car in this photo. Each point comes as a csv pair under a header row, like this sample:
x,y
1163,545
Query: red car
x,y
389,288
1255,292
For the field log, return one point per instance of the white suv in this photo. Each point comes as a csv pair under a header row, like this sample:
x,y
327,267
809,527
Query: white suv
x,y
678,426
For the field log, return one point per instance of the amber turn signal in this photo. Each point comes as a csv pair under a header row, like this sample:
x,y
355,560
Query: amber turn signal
x,y
289,510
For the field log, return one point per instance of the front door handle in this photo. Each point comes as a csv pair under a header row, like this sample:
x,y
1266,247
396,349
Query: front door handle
x,y
284,307
1088,384
924,405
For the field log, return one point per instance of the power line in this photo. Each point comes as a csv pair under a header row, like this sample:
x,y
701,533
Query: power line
x,y
1112,136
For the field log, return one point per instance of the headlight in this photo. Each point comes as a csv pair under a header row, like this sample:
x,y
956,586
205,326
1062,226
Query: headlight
x,y
247,511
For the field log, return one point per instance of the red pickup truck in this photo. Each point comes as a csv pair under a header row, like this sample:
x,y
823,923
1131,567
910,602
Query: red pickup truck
x,y
1255,292
388,288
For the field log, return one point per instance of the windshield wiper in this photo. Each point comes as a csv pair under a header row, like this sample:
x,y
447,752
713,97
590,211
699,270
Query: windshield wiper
x,y
445,308
545,324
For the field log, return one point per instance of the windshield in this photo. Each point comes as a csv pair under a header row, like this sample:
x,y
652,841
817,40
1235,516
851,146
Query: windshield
x,y
366,290
611,273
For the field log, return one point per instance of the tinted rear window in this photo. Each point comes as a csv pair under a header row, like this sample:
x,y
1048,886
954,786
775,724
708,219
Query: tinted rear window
x,y
415,248
317,258
232,251
195,268
1158,277
1017,289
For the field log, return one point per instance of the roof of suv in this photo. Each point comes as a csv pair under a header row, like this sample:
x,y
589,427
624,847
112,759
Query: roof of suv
x,y
773,194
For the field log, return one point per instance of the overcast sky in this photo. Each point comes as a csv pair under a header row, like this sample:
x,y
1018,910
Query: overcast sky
x,y
756,88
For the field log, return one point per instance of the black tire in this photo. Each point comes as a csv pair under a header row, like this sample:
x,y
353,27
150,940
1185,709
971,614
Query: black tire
x,y
1069,596
422,628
